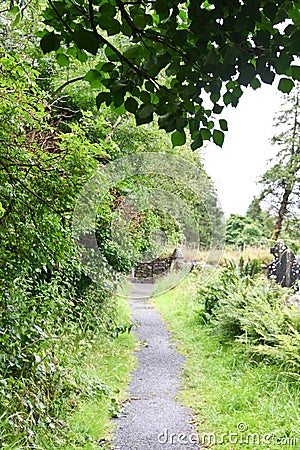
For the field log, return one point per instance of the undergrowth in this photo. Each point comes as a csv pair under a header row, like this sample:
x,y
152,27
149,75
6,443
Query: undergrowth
x,y
240,305
47,330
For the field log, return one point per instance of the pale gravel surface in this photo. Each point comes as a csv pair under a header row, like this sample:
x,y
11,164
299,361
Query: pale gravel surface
x,y
152,412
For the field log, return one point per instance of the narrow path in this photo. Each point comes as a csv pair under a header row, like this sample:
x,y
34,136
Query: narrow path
x,y
154,418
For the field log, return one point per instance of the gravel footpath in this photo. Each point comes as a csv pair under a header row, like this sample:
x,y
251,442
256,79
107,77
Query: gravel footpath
x,y
153,418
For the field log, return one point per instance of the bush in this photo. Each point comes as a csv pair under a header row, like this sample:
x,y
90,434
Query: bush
x,y
224,282
242,308
42,326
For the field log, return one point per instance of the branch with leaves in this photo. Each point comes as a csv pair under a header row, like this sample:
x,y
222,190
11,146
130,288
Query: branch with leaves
x,y
160,58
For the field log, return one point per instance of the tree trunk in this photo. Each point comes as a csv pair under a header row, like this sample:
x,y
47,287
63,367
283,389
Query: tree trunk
x,y
281,214
292,169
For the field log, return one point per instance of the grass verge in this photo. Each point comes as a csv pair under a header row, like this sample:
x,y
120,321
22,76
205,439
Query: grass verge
x,y
238,404
102,372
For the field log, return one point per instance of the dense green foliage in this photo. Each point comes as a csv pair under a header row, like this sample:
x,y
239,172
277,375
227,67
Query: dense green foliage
x,y
135,59
51,312
241,307
162,57
48,305
242,230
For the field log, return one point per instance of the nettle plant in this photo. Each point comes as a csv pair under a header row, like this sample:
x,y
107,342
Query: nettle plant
x,y
166,57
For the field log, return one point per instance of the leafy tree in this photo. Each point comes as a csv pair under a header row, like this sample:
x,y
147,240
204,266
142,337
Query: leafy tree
x,y
254,211
234,227
252,234
242,230
281,183
163,57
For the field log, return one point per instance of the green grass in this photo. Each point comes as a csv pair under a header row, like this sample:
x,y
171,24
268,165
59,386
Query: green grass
x,y
105,368
226,390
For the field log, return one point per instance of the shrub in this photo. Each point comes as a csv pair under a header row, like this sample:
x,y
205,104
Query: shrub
x,y
241,307
43,324
224,282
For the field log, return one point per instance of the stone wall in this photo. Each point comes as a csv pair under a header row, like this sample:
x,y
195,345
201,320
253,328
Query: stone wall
x,y
148,272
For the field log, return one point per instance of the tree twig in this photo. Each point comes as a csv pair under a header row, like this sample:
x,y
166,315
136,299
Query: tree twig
x,y
109,136
60,88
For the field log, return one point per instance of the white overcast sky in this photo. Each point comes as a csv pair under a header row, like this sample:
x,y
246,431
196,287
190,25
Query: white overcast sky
x,y
236,167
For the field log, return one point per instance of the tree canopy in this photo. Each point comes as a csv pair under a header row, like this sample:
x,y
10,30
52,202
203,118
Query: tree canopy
x,y
181,60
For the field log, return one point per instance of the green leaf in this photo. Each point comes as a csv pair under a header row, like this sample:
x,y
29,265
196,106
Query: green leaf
x,y
227,98
140,20
223,124
218,137
119,88
94,78
86,40
197,143
81,55
267,76
205,134
131,105
285,85
108,67
120,110
133,52
16,20
255,84
227,71
111,55
262,38
295,72
146,111
181,123
295,15
167,122
237,92
62,60
150,86
215,97
107,10
145,97
50,42
231,54
247,73
103,97
178,138
217,109
282,63
142,120
112,26
270,10
230,85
